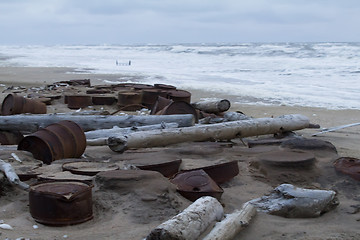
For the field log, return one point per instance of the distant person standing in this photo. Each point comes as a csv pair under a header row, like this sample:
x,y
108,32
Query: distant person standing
x,y
117,63
129,62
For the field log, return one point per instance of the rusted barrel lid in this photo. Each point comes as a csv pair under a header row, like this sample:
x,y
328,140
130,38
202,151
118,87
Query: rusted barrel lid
x,y
221,172
166,168
15,104
103,99
288,158
195,184
179,107
78,101
179,95
61,202
88,168
129,98
349,166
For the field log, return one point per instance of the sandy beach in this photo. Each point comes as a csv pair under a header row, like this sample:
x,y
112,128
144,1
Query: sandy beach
x,y
129,216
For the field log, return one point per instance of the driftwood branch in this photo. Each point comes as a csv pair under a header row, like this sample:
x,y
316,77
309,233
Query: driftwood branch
x,y
11,175
219,131
233,223
212,106
31,123
190,223
100,137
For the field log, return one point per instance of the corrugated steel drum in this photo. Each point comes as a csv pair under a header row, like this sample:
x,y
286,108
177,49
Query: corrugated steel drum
x,y
57,141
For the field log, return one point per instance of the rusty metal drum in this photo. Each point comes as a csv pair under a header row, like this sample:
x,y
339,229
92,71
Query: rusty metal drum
x,y
179,95
78,101
61,140
61,203
15,104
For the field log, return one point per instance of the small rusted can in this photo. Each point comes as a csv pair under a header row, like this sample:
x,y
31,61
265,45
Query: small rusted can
x,y
61,203
15,104
61,140
195,184
78,101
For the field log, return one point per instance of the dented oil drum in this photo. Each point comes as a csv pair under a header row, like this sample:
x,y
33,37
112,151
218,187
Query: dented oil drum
x,y
78,101
60,203
15,104
129,98
179,95
61,140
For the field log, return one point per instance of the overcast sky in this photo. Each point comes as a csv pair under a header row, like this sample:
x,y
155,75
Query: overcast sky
x,y
177,21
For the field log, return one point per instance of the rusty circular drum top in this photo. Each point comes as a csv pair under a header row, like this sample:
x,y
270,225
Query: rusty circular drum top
x,y
179,95
61,202
88,168
349,166
288,158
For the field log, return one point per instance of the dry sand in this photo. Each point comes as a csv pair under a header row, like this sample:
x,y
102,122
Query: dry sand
x,y
132,212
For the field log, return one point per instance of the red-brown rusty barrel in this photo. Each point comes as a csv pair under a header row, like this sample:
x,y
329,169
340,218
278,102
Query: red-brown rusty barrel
x,y
78,101
64,139
61,203
179,95
15,104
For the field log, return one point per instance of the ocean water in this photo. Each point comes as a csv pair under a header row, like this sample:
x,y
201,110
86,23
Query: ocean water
x,y
307,74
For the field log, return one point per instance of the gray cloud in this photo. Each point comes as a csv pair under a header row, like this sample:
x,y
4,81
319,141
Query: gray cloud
x,y
160,21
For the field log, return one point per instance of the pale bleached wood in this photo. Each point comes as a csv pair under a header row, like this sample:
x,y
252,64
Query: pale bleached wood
x,y
11,175
190,223
212,106
219,131
232,224
30,122
105,133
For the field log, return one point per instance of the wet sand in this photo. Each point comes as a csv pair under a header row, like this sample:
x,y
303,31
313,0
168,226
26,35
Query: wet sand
x,y
121,216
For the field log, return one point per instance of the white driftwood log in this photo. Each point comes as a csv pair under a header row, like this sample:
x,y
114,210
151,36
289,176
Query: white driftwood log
x,y
11,175
102,133
219,131
100,137
212,106
190,223
32,122
233,223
